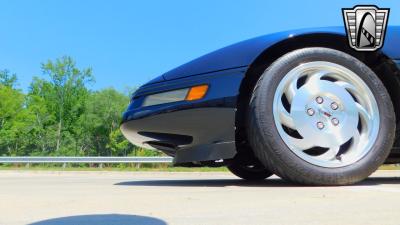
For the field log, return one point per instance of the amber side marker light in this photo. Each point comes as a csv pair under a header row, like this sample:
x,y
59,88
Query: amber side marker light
x,y
197,92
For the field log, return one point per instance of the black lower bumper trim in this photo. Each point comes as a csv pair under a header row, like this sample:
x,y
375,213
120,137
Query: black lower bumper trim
x,y
199,134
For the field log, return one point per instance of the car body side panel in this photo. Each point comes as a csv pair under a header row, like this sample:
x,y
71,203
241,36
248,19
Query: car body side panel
x,y
245,52
391,46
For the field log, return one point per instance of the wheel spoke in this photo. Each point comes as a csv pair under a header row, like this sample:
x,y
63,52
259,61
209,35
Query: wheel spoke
x,y
363,112
285,117
317,76
330,154
346,86
290,90
299,144
352,150
352,89
354,143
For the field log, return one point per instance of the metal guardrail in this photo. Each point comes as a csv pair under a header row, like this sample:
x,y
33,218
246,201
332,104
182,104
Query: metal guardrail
x,y
97,159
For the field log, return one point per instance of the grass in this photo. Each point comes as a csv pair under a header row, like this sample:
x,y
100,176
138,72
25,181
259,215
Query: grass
x,y
390,167
42,167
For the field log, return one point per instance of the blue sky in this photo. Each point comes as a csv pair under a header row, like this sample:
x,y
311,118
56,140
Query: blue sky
x,y
129,42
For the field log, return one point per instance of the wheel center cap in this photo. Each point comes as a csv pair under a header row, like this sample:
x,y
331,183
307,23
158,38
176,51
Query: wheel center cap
x,y
329,126
325,113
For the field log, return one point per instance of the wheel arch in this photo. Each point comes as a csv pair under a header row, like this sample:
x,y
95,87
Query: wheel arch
x,y
382,65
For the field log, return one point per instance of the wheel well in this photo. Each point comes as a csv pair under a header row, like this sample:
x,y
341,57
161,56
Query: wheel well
x,y
384,67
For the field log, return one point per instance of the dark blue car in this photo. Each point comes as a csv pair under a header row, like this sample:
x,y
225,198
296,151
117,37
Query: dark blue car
x,y
300,104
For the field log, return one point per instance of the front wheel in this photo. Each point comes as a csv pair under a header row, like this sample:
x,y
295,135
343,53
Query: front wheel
x,y
319,116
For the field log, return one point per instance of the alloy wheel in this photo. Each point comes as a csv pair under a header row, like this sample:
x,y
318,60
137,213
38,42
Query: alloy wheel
x,y
326,114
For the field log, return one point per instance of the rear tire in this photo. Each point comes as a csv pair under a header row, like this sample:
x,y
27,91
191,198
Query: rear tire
x,y
281,150
249,171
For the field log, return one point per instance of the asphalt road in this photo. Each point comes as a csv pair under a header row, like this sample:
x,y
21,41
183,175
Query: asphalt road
x,y
128,198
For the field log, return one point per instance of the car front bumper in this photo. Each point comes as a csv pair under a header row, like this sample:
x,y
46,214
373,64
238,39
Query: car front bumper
x,y
190,131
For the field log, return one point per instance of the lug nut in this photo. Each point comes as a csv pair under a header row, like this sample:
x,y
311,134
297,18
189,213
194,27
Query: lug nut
x,y
335,121
320,125
334,105
310,111
319,100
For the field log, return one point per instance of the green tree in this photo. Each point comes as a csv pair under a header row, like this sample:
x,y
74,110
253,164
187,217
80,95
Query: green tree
x,y
101,119
118,143
14,120
60,116
7,79
67,95
43,130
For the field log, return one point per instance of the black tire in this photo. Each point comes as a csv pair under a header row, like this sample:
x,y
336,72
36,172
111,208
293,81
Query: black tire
x,y
272,151
249,171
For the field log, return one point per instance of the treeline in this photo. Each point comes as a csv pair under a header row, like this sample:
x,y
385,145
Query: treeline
x,y
61,116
